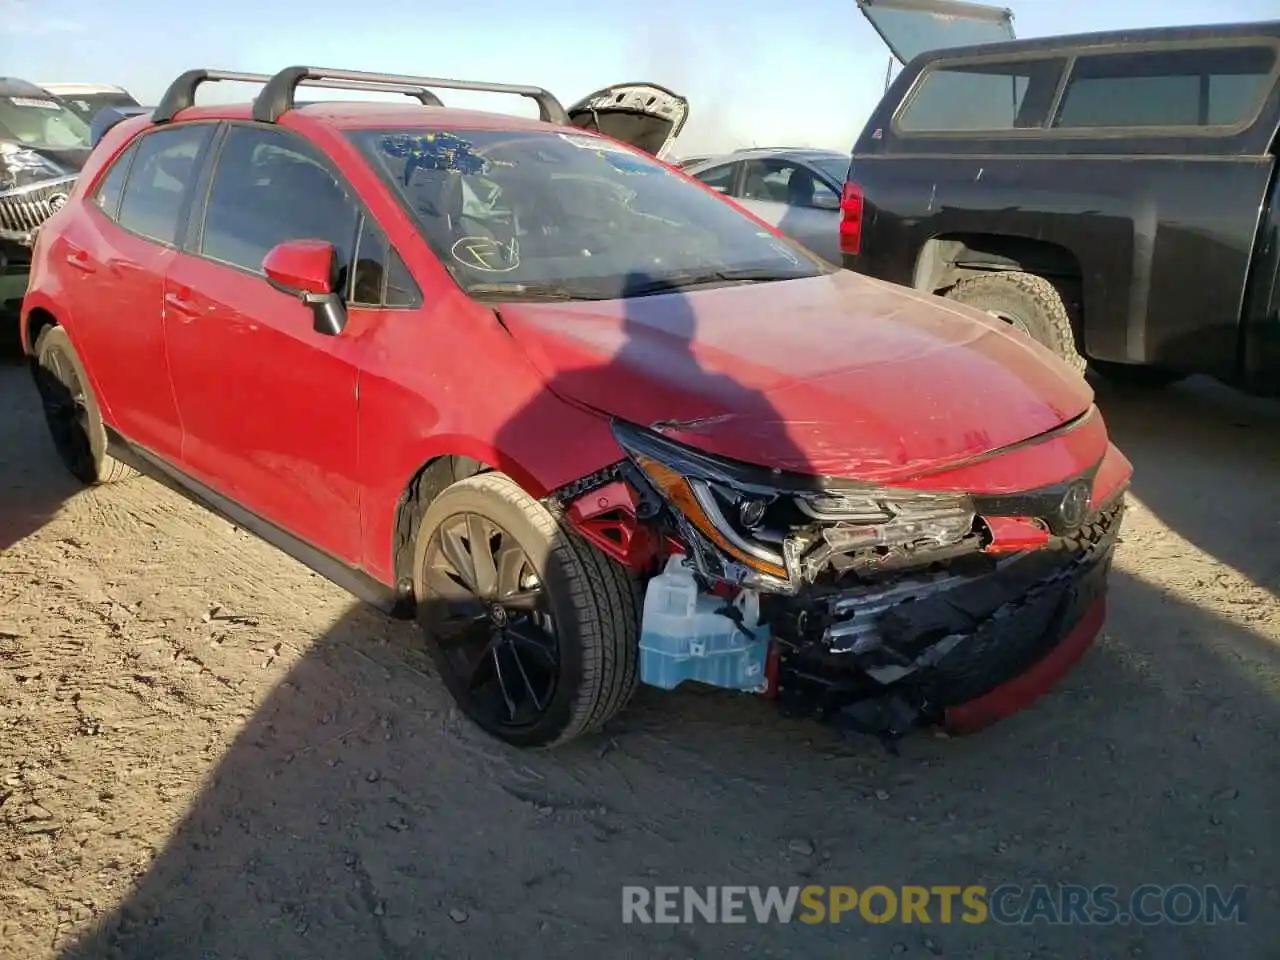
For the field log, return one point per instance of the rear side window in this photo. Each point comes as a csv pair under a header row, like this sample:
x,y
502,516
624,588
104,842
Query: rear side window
x,y
111,187
987,97
159,181
1167,88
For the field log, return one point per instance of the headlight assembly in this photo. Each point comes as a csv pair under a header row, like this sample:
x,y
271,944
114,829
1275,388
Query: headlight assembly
x,y
784,528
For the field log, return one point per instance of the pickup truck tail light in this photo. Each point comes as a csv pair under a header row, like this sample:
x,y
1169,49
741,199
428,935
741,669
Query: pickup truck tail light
x,y
851,219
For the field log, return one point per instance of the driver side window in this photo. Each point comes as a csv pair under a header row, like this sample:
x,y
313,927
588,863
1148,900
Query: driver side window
x,y
268,188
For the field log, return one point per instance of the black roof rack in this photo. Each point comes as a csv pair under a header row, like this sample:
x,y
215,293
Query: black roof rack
x,y
182,92
276,98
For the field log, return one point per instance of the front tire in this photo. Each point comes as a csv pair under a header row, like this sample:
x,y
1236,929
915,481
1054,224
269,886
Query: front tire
x,y
71,411
1028,302
535,633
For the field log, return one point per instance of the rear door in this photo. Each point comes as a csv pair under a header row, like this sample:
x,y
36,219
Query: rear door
x,y
117,253
912,27
644,115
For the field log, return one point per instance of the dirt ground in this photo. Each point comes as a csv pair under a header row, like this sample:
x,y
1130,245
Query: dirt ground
x,y
207,751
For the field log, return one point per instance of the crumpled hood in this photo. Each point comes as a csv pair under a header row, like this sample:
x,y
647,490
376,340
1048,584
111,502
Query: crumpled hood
x,y
839,375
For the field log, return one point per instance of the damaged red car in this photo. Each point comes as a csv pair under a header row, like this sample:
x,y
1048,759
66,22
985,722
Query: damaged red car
x,y
587,421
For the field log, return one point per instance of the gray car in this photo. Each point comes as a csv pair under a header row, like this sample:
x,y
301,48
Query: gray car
x,y
794,188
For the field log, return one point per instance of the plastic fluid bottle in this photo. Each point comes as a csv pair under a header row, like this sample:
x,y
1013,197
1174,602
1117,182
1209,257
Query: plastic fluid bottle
x,y
684,635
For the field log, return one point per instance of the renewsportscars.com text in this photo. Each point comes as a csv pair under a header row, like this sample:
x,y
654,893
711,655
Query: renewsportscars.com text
x,y
1149,904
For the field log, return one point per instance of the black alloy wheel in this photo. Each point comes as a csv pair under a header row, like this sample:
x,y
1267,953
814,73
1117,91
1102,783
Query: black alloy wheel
x,y
492,621
533,630
71,411
66,411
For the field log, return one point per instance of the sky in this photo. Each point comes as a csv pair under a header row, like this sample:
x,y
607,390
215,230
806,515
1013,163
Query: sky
x,y
764,72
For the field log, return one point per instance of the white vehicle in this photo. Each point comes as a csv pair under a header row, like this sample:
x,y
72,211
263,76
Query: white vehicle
x,y
86,99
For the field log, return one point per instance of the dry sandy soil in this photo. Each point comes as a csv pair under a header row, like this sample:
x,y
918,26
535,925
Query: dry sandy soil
x,y
207,751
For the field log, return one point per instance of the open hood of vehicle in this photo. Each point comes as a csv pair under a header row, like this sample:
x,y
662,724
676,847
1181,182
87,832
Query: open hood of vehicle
x,y
644,115
912,27
839,375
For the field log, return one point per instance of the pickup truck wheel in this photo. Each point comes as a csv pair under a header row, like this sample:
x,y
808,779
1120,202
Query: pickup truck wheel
x,y
1030,303
71,411
535,633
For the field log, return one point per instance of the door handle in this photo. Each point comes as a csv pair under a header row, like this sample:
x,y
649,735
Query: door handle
x,y
179,304
79,259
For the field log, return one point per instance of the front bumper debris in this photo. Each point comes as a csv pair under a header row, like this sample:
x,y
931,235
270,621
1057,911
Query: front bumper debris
x,y
960,610
949,649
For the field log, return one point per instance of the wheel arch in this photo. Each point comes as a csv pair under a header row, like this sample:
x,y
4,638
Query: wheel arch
x,y
946,259
41,315
35,321
427,483
450,459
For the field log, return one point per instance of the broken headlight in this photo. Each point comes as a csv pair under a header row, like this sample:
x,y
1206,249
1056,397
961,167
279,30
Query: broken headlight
x,y
789,527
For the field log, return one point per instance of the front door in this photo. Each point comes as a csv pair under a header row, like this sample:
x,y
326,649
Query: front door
x,y
268,405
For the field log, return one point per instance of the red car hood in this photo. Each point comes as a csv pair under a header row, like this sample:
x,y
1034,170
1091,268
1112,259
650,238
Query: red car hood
x,y
838,375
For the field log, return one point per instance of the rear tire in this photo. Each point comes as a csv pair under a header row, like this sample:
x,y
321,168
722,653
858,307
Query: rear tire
x,y
71,411
508,598
1028,302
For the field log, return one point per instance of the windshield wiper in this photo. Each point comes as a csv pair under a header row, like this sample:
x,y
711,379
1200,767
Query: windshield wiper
x,y
514,290
763,275
679,281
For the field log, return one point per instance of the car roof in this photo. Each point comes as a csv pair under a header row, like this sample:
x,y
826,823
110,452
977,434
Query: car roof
x,y
1260,29
351,115
788,153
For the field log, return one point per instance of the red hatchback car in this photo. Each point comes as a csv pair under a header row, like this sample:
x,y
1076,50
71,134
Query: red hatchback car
x,y
588,421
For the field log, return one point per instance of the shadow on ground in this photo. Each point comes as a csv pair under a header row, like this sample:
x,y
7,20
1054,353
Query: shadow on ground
x,y
33,491
358,815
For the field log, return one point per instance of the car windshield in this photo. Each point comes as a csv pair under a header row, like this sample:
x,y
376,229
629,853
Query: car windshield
x,y
573,216
41,122
837,168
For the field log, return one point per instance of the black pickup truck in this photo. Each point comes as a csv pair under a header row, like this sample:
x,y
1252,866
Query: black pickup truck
x,y
1113,194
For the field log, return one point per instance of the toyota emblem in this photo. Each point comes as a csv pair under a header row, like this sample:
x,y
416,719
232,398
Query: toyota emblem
x,y
1074,503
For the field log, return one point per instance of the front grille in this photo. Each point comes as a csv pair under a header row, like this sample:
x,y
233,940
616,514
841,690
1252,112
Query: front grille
x,y
22,211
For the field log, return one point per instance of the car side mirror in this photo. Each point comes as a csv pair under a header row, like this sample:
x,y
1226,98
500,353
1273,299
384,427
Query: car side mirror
x,y
824,201
307,269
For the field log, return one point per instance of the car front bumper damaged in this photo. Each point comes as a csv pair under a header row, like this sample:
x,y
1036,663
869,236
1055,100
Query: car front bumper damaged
x,y
884,609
